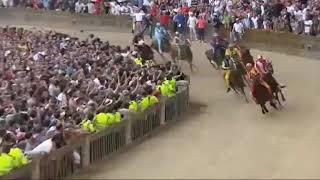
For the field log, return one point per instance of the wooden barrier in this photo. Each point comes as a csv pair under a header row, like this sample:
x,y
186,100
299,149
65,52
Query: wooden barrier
x,y
60,19
91,148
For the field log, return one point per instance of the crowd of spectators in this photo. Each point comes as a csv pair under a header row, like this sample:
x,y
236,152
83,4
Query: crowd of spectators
x,y
52,82
298,16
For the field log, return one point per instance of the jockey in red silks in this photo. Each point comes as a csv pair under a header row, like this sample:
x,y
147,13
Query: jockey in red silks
x,y
261,65
254,76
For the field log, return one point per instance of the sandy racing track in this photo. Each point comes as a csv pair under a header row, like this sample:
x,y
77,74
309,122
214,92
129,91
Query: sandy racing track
x,y
224,137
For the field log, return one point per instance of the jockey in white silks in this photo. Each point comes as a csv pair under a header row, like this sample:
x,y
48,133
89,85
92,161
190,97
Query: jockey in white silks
x,y
159,33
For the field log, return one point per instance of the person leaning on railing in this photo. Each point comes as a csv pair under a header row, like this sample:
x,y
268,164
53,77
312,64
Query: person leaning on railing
x,y
168,87
100,121
87,124
148,101
12,159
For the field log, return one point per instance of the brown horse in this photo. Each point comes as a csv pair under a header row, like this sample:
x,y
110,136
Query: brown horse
x,y
237,80
215,57
272,82
145,52
245,55
262,96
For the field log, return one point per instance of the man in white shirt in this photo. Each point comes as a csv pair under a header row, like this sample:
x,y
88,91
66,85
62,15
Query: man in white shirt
x,y
78,7
5,3
146,3
90,7
192,23
62,98
307,26
255,20
138,17
298,14
238,29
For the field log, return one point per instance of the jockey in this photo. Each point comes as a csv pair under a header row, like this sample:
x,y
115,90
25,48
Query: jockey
x,y
214,43
261,64
232,51
159,34
180,40
177,41
226,66
254,76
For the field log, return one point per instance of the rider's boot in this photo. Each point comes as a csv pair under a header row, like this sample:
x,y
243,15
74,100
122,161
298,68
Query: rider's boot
x,y
268,87
227,80
228,89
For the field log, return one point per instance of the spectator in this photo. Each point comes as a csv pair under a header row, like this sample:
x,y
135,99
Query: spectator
x,y
138,19
238,29
59,88
201,24
307,25
180,20
164,19
192,23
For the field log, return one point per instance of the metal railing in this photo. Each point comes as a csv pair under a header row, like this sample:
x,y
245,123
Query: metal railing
x,y
91,148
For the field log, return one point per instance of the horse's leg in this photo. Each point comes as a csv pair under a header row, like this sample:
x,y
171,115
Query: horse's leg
x,y
265,108
214,64
246,80
282,96
276,96
244,94
262,109
191,66
273,104
235,89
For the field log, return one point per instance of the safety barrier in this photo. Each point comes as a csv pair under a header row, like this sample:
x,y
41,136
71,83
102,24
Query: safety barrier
x,y
91,148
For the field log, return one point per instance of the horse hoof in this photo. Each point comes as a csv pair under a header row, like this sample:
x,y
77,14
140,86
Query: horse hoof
x,y
283,99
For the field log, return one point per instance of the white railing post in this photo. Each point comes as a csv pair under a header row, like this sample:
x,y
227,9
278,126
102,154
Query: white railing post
x,y
163,111
86,152
129,129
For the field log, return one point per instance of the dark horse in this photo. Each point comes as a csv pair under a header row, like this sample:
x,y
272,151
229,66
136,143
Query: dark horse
x,y
237,79
144,50
274,85
215,57
262,96
185,51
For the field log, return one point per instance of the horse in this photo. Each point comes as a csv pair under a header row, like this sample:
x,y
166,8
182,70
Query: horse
x,y
145,52
274,85
262,96
185,51
215,57
185,54
237,80
245,55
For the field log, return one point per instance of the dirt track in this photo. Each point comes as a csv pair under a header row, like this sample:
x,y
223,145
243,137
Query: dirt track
x,y
223,137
